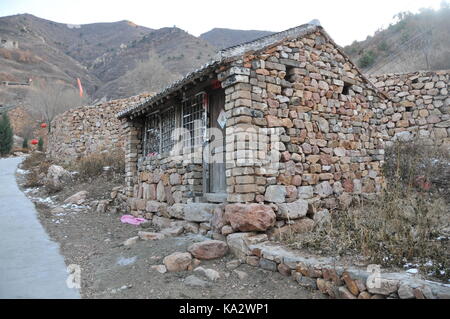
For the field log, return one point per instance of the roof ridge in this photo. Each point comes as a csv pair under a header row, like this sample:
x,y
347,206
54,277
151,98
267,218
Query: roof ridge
x,y
266,40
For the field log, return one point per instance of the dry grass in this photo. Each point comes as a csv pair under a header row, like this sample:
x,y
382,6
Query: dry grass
x,y
94,165
408,223
37,165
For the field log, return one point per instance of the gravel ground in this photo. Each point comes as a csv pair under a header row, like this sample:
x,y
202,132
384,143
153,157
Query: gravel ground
x,y
109,270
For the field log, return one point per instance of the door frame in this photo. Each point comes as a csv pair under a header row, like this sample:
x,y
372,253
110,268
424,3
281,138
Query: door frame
x,y
208,195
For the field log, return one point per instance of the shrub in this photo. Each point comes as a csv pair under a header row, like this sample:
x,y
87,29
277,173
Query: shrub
x,y
405,224
367,60
41,144
383,46
6,135
34,160
93,165
416,164
37,165
25,143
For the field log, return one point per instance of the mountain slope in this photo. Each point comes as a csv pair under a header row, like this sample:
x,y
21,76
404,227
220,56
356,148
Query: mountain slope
x,y
161,56
415,42
99,54
224,38
50,51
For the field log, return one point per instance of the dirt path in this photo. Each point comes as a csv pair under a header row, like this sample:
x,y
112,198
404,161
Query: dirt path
x,y
109,270
31,265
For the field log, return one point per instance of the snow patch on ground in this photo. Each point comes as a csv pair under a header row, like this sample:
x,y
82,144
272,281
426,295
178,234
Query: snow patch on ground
x,y
126,261
22,171
74,206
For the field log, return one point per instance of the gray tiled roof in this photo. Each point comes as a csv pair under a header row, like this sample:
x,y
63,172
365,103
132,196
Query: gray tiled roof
x,y
221,57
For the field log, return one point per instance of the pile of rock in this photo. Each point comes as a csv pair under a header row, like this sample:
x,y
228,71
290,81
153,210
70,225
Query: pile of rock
x,y
118,202
186,261
190,261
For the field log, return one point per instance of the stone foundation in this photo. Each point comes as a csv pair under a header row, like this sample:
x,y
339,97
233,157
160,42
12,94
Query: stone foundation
x,y
330,277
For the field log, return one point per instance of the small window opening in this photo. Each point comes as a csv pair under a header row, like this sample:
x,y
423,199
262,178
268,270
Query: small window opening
x,y
346,89
291,74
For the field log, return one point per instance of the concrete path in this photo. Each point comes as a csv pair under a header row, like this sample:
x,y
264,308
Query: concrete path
x,y
30,263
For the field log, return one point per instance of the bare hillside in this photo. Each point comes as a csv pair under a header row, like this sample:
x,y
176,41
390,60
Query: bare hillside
x,y
415,42
100,54
223,38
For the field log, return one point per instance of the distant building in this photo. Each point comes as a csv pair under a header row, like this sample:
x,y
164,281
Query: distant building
x,y
8,44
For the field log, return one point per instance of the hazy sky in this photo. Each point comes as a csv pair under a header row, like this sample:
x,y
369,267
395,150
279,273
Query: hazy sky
x,y
345,20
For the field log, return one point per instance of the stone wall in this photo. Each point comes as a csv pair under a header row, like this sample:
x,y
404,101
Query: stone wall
x,y
420,106
301,101
331,277
320,114
88,129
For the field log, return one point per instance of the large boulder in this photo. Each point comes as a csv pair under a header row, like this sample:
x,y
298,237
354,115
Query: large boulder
x,y
218,219
162,222
153,206
294,210
209,249
382,286
176,211
250,217
199,212
238,243
160,192
177,261
57,177
276,194
324,189
77,199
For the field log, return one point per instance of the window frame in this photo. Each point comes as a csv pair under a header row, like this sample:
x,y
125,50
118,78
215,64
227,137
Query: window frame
x,y
188,120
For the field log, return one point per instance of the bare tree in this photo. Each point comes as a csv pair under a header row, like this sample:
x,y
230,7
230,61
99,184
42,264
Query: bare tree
x,y
49,100
149,75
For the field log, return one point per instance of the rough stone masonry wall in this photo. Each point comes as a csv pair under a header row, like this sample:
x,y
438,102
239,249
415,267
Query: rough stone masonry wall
x,y
420,106
160,188
331,277
88,129
330,145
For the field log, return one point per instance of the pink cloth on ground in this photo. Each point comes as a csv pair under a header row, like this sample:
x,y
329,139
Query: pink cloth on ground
x,y
128,219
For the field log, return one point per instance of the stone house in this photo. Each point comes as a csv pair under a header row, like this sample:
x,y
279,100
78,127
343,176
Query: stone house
x,y
270,131
8,44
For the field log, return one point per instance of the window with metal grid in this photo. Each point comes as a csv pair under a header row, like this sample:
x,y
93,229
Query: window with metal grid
x,y
194,120
168,123
152,135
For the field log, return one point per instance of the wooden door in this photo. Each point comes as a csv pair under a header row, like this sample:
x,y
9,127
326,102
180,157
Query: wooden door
x,y
217,178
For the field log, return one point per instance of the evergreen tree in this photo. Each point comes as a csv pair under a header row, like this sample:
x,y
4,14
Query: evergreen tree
x,y
6,135
41,144
25,143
